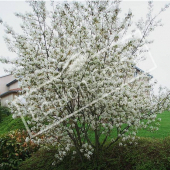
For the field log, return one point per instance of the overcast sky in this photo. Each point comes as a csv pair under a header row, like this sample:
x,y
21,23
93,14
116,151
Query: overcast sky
x,y
159,51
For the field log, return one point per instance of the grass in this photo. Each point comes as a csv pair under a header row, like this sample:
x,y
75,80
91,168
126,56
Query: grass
x,y
164,129
8,124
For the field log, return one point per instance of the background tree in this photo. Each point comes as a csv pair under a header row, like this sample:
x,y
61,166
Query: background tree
x,y
73,63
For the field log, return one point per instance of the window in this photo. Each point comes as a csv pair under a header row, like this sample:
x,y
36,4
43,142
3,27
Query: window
x,y
135,74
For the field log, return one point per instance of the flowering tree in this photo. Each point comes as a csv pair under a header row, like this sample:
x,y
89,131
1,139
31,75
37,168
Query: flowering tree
x,y
76,69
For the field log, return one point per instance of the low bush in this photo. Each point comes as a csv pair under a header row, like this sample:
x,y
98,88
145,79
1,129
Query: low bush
x,y
42,159
147,154
4,111
14,149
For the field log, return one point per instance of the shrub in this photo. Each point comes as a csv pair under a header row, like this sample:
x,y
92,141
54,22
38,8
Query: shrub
x,y
14,149
41,160
147,154
4,111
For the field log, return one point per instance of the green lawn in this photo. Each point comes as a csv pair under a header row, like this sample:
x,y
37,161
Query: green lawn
x,y
164,129
8,124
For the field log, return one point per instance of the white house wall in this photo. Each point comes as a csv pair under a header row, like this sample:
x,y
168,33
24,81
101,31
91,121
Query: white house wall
x,y
13,86
3,81
8,97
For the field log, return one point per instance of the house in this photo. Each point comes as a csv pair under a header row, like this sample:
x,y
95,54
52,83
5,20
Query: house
x,y
9,88
146,81
139,71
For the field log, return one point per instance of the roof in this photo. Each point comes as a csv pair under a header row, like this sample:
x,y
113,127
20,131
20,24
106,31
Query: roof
x,y
143,71
5,75
8,92
12,82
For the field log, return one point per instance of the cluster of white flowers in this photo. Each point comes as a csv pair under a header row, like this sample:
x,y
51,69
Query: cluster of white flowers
x,y
72,58
87,150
